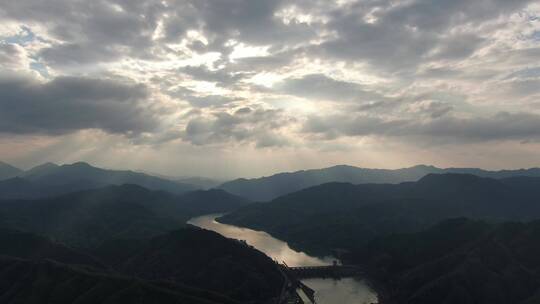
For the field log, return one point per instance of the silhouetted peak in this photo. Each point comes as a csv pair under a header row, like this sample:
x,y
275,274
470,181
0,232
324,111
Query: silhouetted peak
x,y
42,168
4,164
80,165
8,171
343,167
424,167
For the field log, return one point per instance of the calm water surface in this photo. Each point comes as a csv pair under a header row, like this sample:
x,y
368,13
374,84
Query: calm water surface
x,y
328,291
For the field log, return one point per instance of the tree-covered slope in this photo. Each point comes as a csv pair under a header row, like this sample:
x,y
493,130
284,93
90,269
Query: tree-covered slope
x,y
458,261
51,180
8,171
199,258
189,265
40,282
89,217
35,247
270,187
338,215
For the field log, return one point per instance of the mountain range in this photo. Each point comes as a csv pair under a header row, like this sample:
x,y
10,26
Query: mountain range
x,y
8,171
457,261
446,238
77,233
87,218
271,187
127,244
189,265
343,215
51,179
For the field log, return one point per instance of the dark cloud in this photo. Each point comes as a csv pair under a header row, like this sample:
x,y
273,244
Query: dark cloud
x,y
439,72
77,54
449,129
457,46
67,104
399,34
319,86
260,126
383,45
200,101
402,35
90,31
221,77
263,62
250,21
431,108
439,15
374,106
209,101
334,126
415,44
101,31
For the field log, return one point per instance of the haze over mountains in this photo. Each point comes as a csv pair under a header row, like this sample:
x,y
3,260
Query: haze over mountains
x,y
340,215
428,235
407,237
8,171
51,179
87,218
270,187
122,243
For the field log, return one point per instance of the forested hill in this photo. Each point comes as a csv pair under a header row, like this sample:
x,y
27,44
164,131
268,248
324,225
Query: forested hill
x,y
340,215
8,171
271,187
407,238
50,180
189,265
458,261
87,218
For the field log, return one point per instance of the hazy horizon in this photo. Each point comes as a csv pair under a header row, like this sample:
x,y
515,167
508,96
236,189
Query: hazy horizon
x,y
226,178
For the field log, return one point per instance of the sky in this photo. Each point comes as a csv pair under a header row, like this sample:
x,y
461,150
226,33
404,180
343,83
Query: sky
x,y
231,88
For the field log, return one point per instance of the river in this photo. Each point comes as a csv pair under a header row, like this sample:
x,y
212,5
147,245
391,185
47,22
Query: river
x,y
328,291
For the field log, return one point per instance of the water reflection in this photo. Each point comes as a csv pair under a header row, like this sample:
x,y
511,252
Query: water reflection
x,y
272,247
328,291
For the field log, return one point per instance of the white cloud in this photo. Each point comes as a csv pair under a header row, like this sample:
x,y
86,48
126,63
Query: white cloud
x,y
413,71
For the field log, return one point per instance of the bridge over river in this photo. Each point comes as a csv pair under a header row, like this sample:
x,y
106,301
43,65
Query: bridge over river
x,y
346,290
293,275
331,271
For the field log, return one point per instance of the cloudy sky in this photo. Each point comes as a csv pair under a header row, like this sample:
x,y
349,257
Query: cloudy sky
x,y
250,87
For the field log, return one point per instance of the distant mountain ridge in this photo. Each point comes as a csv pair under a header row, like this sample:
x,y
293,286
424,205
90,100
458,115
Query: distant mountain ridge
x,y
271,187
8,171
337,215
50,179
88,217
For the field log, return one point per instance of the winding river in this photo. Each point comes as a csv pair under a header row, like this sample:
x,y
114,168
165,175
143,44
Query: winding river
x,y
328,291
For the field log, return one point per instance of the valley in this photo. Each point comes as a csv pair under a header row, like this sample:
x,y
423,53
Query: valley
x,y
452,236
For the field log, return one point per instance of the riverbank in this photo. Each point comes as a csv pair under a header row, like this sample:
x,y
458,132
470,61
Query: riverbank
x,y
372,278
328,291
